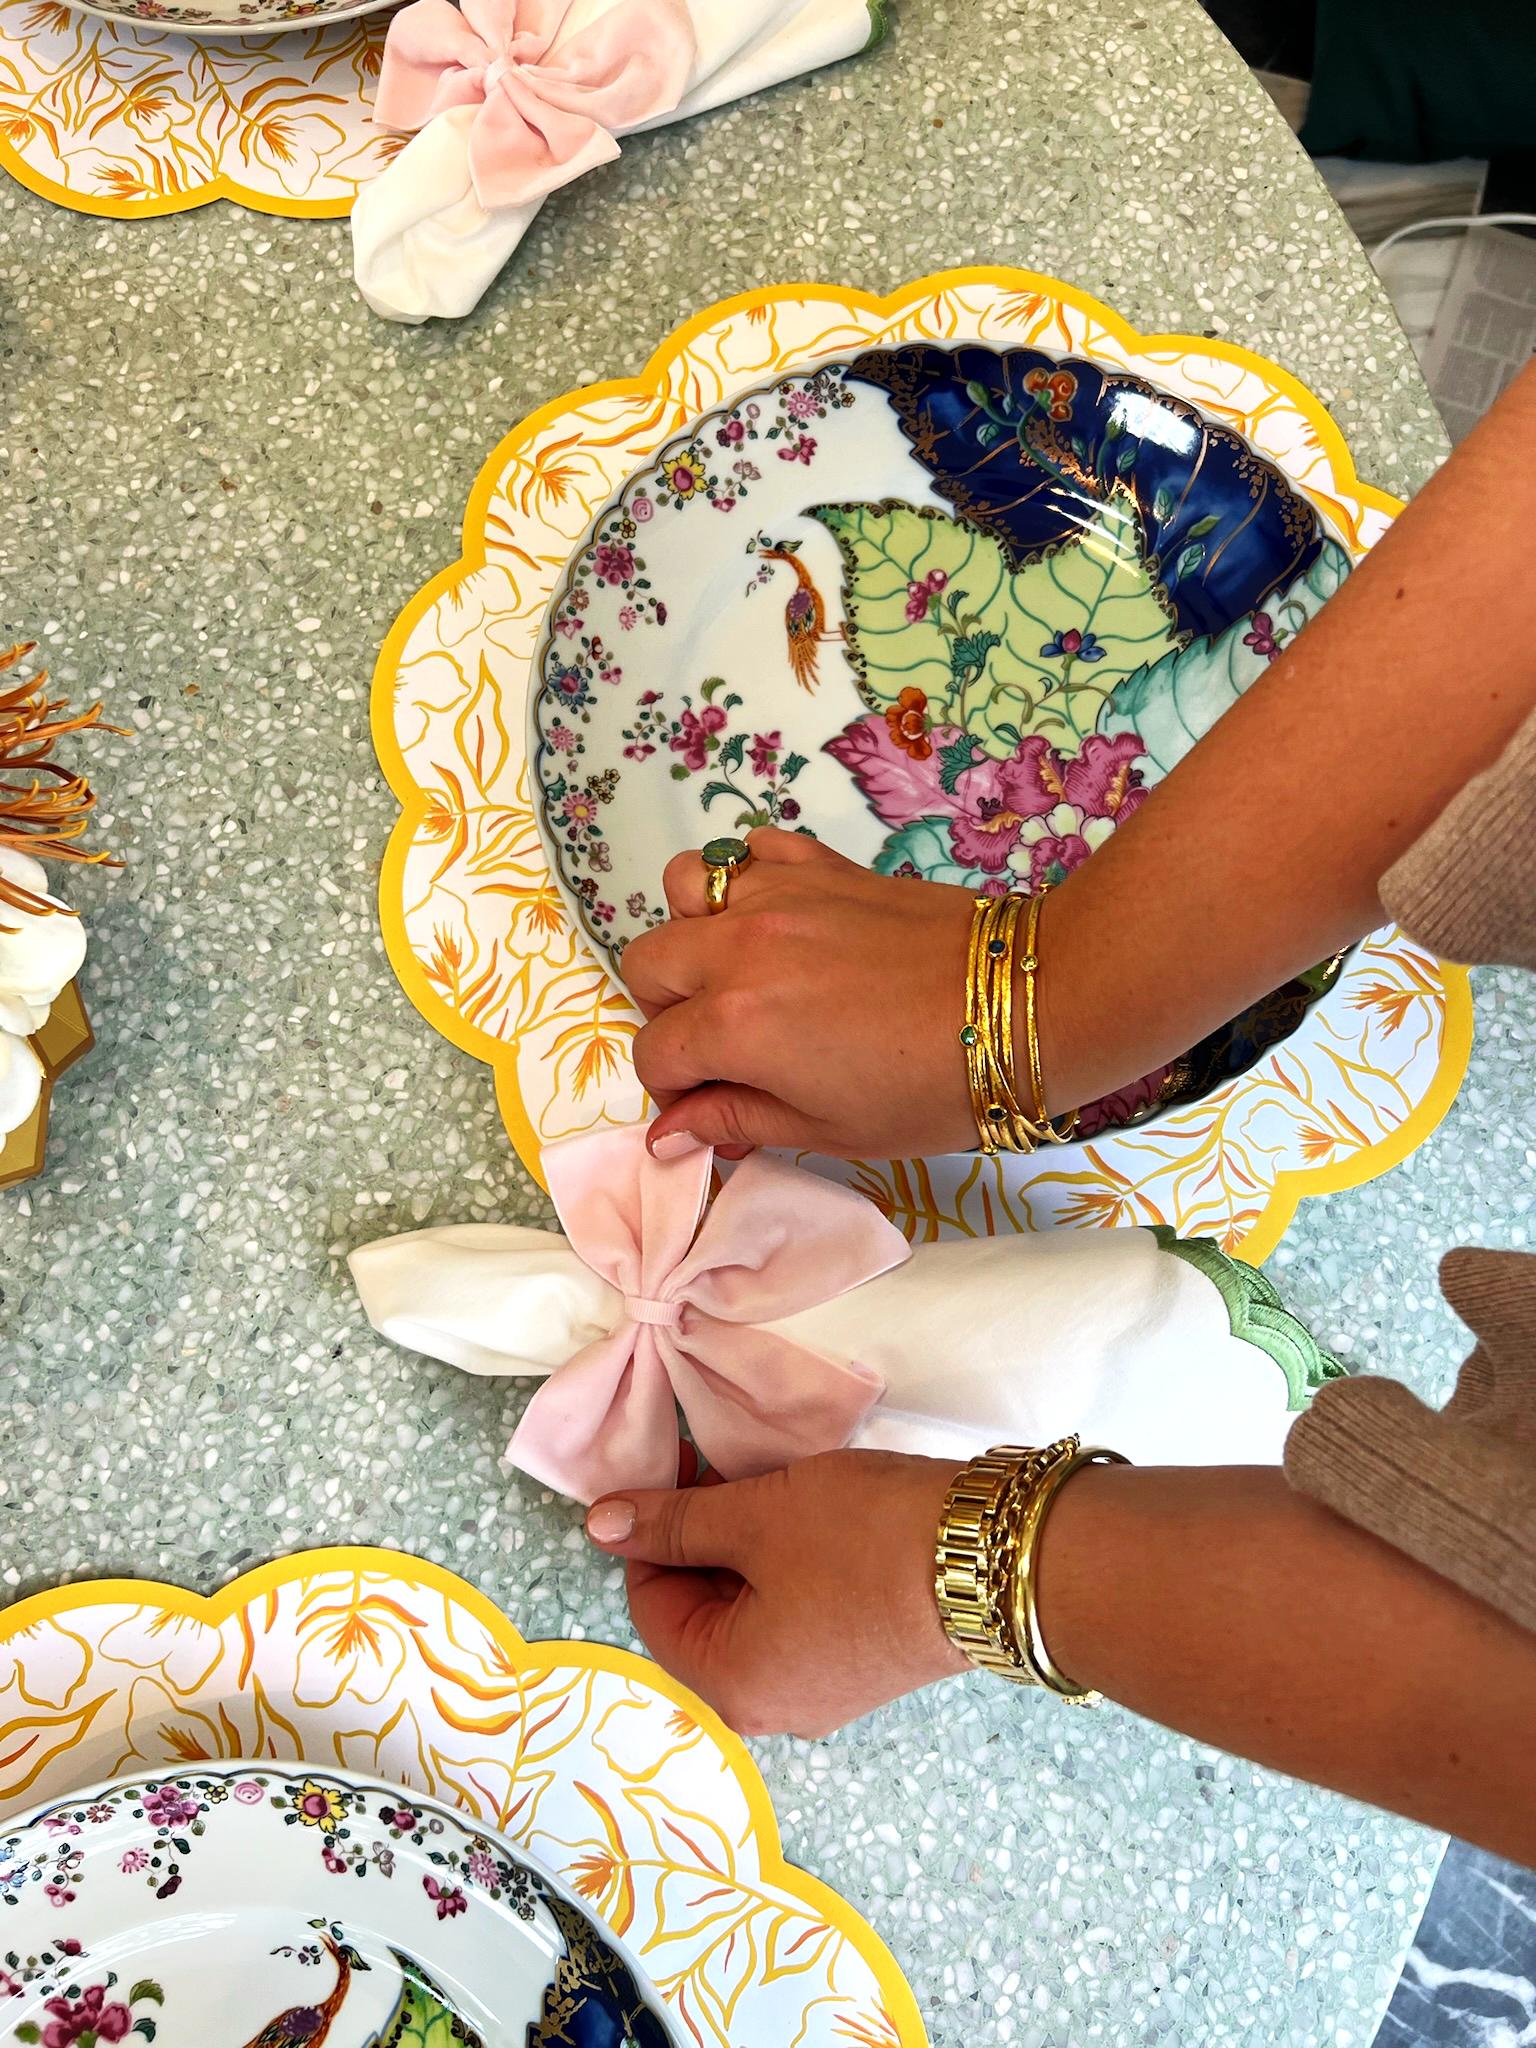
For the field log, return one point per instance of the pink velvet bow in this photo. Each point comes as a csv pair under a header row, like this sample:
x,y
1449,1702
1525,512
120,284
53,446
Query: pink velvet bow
x,y
776,1240
546,114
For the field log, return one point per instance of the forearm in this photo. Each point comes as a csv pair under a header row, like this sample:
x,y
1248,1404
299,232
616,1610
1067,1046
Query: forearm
x,y
1223,1604
1260,854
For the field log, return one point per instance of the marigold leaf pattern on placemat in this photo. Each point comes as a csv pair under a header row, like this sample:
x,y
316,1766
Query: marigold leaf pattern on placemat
x,y
128,119
592,1759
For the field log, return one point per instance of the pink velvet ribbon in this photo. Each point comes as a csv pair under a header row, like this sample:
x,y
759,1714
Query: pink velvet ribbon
x,y
548,105
696,1285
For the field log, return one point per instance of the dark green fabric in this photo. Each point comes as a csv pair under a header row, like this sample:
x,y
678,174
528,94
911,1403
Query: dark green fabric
x,y
1414,81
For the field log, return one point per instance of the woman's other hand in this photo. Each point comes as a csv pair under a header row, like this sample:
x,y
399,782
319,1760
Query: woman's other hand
x,y
795,1602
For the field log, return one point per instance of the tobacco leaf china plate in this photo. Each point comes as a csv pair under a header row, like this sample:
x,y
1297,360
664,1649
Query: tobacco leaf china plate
x,y
228,17
954,610
233,1905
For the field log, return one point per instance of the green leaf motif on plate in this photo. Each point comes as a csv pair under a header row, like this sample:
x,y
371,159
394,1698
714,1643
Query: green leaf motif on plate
x,y
978,649
1188,562
923,848
422,2017
1176,700
954,760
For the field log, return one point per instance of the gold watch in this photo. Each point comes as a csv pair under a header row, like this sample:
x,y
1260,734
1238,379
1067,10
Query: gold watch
x,y
985,1559
975,1553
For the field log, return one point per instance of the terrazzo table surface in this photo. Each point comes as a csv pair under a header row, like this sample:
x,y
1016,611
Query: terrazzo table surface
x,y
223,479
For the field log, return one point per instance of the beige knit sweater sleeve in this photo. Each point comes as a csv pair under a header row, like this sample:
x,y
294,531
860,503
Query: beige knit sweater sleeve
x,y
1454,1488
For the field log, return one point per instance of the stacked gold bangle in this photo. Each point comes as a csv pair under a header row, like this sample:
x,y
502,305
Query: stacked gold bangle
x,y
986,1037
986,1556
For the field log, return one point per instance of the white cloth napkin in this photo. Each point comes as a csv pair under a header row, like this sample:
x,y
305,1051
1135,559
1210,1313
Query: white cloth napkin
x,y
423,245
1122,1336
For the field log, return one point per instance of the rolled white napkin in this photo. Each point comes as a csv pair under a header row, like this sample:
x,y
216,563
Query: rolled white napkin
x,y
1167,1351
425,247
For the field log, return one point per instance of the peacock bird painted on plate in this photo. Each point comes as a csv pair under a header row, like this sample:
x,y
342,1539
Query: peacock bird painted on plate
x,y
422,2017
805,619
307,2026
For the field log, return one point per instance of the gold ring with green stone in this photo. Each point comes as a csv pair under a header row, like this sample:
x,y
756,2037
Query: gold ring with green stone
x,y
723,859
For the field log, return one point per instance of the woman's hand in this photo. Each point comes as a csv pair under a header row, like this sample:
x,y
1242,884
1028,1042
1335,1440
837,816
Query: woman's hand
x,y
795,1602
820,1011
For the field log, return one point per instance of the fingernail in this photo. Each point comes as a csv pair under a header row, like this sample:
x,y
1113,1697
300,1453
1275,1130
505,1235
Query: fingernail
x,y
675,1145
611,1521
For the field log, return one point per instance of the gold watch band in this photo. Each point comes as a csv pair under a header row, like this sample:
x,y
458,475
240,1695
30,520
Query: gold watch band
x,y
976,1550
985,1559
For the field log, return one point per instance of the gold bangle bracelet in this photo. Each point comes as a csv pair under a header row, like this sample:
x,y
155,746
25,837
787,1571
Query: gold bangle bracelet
x,y
1010,1127
985,1559
1030,965
1024,1605
987,1032
973,1030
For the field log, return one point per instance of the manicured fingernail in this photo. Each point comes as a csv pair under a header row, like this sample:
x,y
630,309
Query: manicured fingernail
x,y
675,1145
611,1521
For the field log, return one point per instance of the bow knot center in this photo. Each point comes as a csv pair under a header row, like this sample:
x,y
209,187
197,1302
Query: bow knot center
x,y
496,71
660,1315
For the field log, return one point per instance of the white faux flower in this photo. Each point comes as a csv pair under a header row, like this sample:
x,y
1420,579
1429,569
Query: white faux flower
x,y
21,1082
39,955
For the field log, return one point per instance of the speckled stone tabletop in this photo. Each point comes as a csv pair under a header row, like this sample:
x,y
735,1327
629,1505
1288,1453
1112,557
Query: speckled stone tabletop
x,y
221,479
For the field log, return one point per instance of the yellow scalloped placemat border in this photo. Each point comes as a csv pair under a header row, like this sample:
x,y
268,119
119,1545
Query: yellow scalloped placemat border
x,y
253,1602
648,390
284,111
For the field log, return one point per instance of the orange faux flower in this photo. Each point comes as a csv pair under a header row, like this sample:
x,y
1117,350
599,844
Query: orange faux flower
x,y
908,722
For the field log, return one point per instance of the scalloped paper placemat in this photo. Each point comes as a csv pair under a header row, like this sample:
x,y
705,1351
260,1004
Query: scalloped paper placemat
x,y
131,121
480,938
592,1758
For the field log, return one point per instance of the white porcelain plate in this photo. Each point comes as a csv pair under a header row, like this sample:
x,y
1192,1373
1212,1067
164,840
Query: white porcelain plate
x,y
254,1906
228,17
